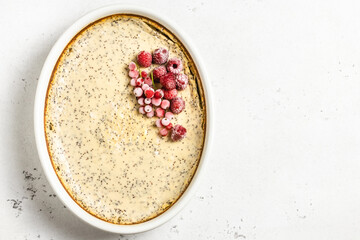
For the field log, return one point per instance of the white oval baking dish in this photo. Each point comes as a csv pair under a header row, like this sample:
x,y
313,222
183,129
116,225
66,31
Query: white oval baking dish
x,y
40,107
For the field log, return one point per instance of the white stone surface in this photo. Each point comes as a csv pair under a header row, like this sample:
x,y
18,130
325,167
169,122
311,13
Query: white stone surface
x,y
286,156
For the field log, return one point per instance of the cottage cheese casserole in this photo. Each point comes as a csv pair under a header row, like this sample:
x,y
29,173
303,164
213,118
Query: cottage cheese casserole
x,y
109,158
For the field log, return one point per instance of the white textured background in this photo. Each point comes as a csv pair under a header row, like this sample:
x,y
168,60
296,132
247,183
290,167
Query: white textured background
x,y
285,162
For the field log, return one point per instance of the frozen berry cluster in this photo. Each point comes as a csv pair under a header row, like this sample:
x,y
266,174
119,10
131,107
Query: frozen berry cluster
x,y
163,102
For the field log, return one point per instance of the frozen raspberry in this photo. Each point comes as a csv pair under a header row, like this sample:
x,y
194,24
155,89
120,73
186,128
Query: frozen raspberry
x,y
158,123
156,101
150,114
164,132
158,72
178,133
168,81
169,115
133,82
138,92
145,86
160,112
144,59
169,127
181,81
174,66
144,74
170,94
165,104
141,101
159,93
141,110
134,74
147,101
177,105
160,56
148,108
149,92
148,81
139,82
132,66
165,122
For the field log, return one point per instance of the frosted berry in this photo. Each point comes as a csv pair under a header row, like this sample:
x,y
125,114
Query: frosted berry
x,y
159,93
133,82
141,110
158,123
132,66
165,104
158,72
181,81
148,108
169,115
170,94
144,74
145,86
160,56
141,101
156,101
148,81
174,66
134,74
178,133
168,81
150,114
169,127
177,105
164,132
139,82
147,101
138,92
149,92
165,122
160,112
144,59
